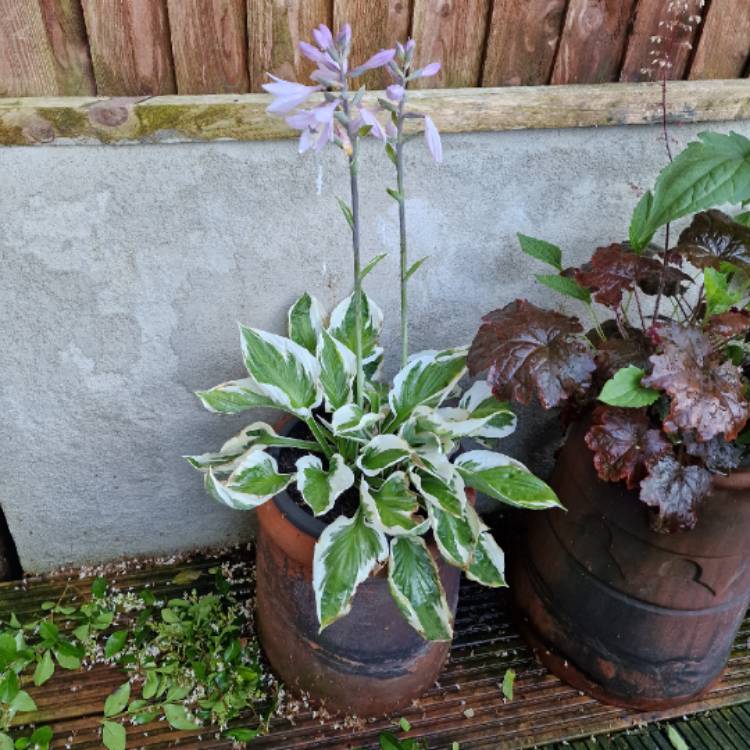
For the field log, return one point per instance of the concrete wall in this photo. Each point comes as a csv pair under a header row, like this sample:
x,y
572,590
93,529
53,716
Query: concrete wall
x,y
124,270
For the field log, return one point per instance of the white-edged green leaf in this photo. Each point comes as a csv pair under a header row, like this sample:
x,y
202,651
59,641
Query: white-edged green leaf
x,y
456,537
416,588
431,450
373,363
427,379
480,403
319,487
382,452
114,736
625,389
254,481
352,422
505,479
306,322
393,506
345,554
488,563
448,495
342,325
235,396
338,368
284,371
541,250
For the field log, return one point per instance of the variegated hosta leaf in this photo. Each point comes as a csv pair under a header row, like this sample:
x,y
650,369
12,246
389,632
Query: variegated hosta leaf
x,y
338,368
234,396
420,433
306,322
499,419
449,496
343,324
488,564
373,363
382,452
427,379
285,372
258,433
417,590
505,479
319,487
352,422
393,506
346,553
431,451
254,480
456,536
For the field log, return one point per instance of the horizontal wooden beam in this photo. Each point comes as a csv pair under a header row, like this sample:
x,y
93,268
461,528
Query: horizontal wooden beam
x,y
160,119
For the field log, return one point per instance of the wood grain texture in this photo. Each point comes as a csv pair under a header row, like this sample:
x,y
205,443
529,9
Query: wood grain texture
x,y
275,27
592,41
522,42
209,46
724,46
375,26
130,47
451,32
27,65
662,32
66,32
243,117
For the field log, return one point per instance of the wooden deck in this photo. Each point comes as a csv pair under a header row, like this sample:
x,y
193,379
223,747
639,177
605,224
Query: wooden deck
x,y
466,706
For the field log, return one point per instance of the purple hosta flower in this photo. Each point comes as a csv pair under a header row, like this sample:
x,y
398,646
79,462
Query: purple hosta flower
x,y
288,95
378,60
323,37
344,37
428,71
433,139
395,92
368,118
316,125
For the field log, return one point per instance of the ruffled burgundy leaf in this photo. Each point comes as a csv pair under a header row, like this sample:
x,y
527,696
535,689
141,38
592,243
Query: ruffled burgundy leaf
x,y
729,325
614,352
529,350
706,393
614,270
674,491
624,442
717,455
713,237
648,280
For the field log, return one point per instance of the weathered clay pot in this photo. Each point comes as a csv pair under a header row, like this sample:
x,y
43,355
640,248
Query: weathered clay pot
x,y
367,663
632,617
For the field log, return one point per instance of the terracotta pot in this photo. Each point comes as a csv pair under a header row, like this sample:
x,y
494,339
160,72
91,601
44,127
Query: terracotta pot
x,y
632,617
369,662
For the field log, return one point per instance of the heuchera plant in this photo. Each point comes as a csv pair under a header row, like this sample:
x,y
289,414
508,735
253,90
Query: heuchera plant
x,y
671,381
392,445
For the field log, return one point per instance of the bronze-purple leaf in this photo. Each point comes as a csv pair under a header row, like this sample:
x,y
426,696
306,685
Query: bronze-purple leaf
x,y
529,350
706,393
713,237
717,455
614,352
623,442
729,325
674,491
613,270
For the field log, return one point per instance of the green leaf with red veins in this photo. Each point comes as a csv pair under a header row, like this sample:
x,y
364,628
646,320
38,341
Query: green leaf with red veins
x,y
707,394
713,238
614,270
675,491
532,351
623,442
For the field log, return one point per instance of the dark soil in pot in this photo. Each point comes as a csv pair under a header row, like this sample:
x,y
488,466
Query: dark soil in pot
x,y
634,618
369,662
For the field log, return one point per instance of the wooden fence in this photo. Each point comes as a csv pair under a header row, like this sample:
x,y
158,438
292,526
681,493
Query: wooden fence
x,y
153,47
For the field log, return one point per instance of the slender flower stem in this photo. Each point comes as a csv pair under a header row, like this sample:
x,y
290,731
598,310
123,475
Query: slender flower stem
x,y
354,184
402,230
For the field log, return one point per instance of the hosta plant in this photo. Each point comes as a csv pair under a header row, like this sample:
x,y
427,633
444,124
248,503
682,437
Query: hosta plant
x,y
390,453
664,379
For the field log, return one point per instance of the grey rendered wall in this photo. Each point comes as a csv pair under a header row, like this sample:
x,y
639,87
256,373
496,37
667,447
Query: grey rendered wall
x,y
125,268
